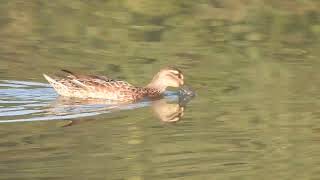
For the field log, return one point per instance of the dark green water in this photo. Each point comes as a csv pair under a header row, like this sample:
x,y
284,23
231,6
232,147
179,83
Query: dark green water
x,y
254,65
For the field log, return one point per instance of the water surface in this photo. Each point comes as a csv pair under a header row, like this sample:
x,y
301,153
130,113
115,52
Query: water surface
x,y
253,64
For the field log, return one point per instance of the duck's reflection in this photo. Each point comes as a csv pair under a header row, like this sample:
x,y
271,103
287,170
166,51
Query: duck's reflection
x,y
165,109
167,112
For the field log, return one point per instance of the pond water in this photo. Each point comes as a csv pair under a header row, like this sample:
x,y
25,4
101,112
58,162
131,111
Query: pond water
x,y
254,66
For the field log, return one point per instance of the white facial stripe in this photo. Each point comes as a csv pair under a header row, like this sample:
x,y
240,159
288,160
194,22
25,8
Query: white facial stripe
x,y
174,72
177,73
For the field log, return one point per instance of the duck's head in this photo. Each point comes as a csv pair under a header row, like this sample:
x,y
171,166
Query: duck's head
x,y
167,77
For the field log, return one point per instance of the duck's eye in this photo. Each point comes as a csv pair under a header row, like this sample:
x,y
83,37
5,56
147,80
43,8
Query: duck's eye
x,y
180,76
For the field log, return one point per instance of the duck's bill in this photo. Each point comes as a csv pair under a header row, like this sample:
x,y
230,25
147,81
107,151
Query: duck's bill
x,y
187,91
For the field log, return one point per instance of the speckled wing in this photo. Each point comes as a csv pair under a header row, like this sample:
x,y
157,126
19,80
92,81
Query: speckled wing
x,y
92,86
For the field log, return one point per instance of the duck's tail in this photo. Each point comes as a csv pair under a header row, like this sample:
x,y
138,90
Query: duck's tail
x,y
49,79
58,86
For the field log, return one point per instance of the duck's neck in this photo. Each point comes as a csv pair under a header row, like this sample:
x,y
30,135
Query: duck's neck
x,y
154,84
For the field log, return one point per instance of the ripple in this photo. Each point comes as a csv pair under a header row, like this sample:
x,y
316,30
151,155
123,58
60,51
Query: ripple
x,y
18,113
13,83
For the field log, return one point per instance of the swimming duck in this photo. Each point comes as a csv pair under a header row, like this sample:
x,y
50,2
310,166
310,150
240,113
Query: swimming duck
x,y
102,87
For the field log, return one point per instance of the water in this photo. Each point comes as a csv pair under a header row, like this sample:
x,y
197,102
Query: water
x,y
254,66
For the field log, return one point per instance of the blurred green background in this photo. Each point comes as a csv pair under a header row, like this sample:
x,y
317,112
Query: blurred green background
x,y
253,63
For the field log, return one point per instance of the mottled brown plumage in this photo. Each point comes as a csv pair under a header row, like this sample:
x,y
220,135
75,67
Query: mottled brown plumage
x,y
92,86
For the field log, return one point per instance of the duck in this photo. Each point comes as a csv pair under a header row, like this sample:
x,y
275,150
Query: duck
x,y
75,85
